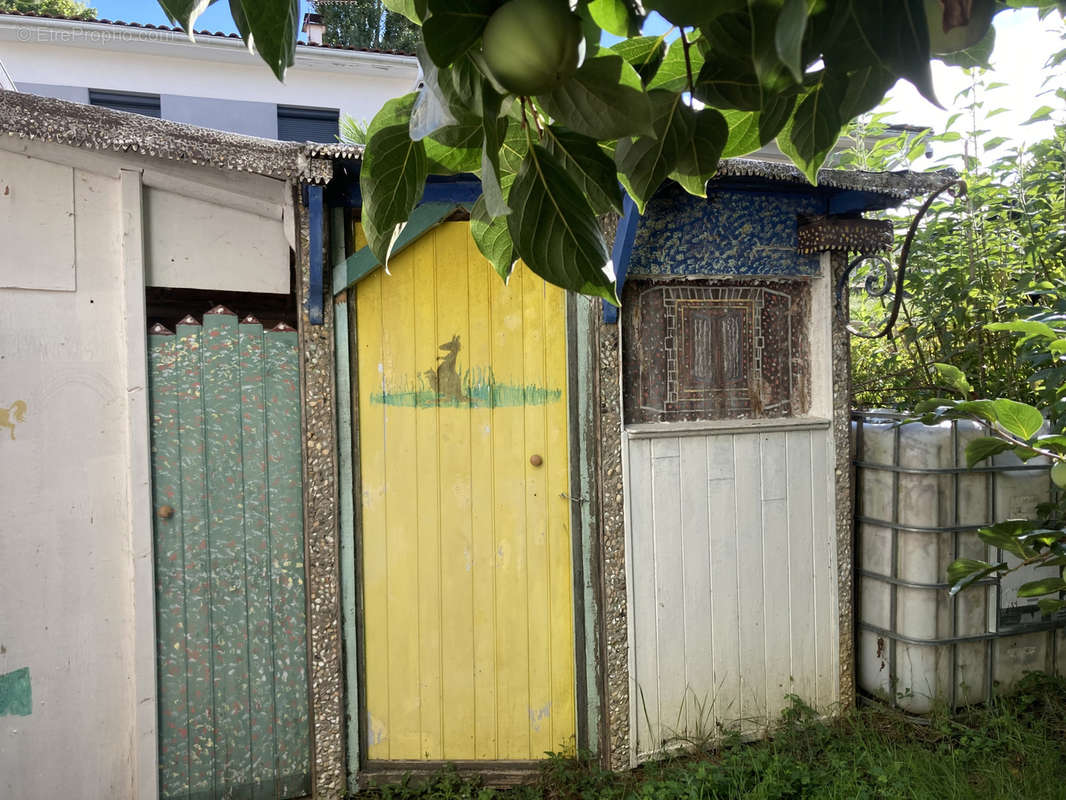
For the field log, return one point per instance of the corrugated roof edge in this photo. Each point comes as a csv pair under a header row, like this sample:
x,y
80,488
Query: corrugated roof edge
x,y
902,185
28,116
218,34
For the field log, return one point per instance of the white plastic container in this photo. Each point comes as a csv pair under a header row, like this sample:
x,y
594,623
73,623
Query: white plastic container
x,y
917,510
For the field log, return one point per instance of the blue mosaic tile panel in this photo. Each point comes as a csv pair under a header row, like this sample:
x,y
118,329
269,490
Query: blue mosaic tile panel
x,y
729,233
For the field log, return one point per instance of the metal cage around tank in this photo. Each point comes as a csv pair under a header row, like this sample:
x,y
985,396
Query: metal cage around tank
x,y
917,508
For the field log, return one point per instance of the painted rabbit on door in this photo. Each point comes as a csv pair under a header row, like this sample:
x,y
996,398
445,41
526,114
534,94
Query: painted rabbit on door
x,y
445,379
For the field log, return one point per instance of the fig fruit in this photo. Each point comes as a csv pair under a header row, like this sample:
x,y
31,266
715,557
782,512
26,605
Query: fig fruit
x,y
958,37
532,46
1058,474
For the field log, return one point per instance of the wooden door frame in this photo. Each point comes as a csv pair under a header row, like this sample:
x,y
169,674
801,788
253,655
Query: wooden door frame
x,y
582,315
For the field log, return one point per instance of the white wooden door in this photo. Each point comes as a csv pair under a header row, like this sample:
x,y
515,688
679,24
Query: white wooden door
x,y
731,549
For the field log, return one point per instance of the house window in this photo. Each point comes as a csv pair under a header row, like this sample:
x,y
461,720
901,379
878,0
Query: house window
x,y
147,104
299,124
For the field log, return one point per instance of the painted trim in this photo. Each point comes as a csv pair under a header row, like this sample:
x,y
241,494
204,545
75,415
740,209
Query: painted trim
x,y
360,264
316,223
577,496
670,430
627,538
343,318
361,717
621,252
582,315
145,777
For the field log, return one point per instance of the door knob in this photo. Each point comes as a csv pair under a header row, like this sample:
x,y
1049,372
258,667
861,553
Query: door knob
x,y
166,512
536,460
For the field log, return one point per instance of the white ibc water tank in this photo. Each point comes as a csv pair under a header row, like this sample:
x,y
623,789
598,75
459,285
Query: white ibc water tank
x,y
917,510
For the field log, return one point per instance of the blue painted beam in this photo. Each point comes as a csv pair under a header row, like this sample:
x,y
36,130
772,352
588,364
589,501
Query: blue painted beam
x,y
620,253
316,226
849,201
467,191
344,189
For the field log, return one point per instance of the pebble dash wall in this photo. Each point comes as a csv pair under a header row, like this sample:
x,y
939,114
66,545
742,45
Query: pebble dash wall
x,y
320,526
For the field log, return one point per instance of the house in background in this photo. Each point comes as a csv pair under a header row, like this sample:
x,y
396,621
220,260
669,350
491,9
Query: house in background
x,y
213,83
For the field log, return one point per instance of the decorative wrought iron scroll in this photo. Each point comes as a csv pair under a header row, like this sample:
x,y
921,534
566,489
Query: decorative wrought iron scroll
x,y
893,279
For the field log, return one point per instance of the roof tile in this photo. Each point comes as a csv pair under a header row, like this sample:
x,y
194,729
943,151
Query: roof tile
x,y
215,34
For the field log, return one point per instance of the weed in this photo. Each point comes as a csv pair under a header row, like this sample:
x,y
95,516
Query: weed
x,y
1015,747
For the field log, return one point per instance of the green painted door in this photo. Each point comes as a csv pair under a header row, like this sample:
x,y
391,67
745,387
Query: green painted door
x,y
230,591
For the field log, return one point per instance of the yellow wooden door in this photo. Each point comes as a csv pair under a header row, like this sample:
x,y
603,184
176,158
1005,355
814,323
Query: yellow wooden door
x,y
466,561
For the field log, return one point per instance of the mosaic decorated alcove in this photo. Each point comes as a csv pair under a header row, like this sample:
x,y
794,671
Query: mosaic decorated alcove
x,y
715,308
715,350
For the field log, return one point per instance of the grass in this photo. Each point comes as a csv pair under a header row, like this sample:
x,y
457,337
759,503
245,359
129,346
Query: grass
x,y
1014,748
479,388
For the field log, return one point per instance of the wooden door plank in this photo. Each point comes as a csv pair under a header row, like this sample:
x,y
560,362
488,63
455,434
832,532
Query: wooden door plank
x,y
194,515
169,567
748,530
453,483
398,336
644,693
669,589
347,413
698,589
557,461
775,536
257,555
801,589
285,498
509,502
725,579
537,599
226,545
483,550
424,493
373,508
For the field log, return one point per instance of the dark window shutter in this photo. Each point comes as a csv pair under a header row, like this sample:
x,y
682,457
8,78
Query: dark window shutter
x,y
297,124
147,104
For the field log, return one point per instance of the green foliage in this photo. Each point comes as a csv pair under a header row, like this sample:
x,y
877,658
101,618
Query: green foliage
x,y
394,171
796,70
994,255
366,23
352,131
55,8
1015,747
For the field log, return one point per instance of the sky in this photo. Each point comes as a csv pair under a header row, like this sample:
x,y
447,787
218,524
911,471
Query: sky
x,y
1023,44
216,18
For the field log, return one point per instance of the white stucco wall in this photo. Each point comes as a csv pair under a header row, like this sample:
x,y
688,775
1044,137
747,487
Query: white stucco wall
x,y
65,560
75,532
50,57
